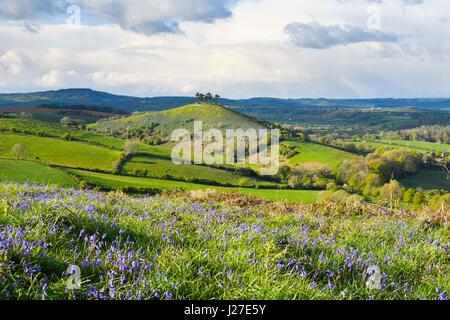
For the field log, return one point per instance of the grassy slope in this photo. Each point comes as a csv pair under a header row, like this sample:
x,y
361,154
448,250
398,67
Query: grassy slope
x,y
300,196
59,152
158,248
158,167
428,179
34,127
121,182
213,116
419,146
312,152
33,173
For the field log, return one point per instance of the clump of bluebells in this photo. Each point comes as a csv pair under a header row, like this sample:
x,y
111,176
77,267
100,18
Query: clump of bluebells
x,y
159,248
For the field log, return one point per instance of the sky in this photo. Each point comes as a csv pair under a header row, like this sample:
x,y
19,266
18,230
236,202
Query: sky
x,y
235,48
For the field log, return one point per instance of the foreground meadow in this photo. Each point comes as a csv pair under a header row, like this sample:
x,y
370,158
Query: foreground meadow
x,y
210,245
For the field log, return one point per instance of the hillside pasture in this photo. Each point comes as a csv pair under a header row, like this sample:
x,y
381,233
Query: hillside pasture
x,y
418,146
56,113
428,179
311,152
53,130
19,171
163,123
158,167
59,152
115,182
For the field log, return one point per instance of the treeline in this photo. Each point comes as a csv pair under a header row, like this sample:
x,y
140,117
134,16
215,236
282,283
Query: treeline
x,y
373,178
84,108
366,174
439,134
376,177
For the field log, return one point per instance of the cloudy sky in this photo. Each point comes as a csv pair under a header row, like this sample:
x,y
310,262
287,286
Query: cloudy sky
x,y
237,48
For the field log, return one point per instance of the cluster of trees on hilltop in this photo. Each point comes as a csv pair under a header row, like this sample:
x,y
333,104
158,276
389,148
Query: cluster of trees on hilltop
x,y
207,98
440,134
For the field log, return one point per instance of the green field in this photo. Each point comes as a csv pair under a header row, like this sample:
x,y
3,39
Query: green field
x,y
160,151
300,196
419,146
108,181
60,152
35,127
158,167
34,173
312,152
428,179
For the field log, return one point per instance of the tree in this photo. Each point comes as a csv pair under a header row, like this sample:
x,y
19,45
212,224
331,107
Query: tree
x,y
67,137
208,98
200,97
353,172
385,168
408,196
418,199
25,115
18,151
283,173
131,147
66,121
244,182
391,192
372,182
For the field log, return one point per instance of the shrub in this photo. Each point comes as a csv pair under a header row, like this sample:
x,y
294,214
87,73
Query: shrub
x,y
244,182
18,151
391,192
67,137
418,199
131,147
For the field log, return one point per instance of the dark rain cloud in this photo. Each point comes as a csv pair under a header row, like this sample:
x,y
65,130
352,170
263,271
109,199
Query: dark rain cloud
x,y
145,16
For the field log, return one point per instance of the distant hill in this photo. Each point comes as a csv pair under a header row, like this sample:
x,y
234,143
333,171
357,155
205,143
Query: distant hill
x,y
96,98
90,97
318,115
162,123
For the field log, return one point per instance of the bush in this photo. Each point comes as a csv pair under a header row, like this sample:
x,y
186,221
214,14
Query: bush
x,y
331,186
19,151
391,192
67,137
418,199
244,182
131,147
